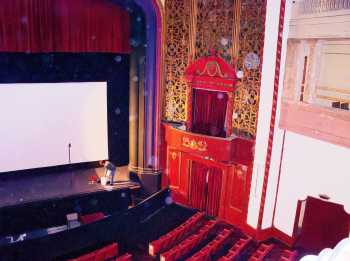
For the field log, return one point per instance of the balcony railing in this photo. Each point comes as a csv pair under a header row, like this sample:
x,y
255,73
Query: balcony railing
x,y
319,6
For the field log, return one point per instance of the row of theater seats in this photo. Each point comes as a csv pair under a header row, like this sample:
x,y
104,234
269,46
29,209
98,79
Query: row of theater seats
x,y
109,252
199,239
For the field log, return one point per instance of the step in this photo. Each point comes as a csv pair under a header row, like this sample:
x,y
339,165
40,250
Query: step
x,y
174,236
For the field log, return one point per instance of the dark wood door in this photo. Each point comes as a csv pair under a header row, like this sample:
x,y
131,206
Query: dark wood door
x,y
237,194
177,175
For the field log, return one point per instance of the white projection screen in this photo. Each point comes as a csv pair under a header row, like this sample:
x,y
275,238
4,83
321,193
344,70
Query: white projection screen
x,y
39,120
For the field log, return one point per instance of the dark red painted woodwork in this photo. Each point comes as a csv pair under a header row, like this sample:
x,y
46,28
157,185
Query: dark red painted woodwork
x,y
177,175
174,168
207,172
229,150
212,72
323,225
227,192
237,193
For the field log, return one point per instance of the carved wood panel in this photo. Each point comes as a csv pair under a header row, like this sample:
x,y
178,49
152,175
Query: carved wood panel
x,y
237,194
215,23
177,13
251,40
234,29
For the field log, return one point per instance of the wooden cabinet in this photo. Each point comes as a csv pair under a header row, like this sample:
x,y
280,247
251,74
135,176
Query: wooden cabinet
x,y
208,176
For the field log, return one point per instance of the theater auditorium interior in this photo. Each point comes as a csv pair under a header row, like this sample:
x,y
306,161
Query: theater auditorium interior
x,y
169,130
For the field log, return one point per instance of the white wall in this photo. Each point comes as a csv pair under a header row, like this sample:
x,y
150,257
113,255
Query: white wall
x,y
326,25
310,167
265,107
38,121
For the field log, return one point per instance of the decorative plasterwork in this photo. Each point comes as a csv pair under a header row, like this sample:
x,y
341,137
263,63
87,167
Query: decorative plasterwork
x,y
177,53
199,145
251,39
215,23
233,29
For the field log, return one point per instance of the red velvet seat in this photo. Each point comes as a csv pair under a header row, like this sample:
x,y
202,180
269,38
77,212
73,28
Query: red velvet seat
x,y
87,257
170,239
107,252
261,252
212,247
236,249
189,243
90,218
102,254
125,257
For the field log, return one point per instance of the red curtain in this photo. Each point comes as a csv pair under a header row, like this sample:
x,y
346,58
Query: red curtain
x,y
209,112
198,186
38,26
214,191
205,194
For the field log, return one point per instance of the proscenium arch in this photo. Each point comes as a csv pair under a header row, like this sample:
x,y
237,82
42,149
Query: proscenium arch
x,y
154,13
145,137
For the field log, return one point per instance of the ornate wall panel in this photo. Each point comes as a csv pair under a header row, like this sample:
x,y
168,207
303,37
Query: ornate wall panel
x,y
177,13
251,41
234,29
215,22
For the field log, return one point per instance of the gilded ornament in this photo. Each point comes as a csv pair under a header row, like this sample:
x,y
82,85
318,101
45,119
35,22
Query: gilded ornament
x,y
174,155
194,145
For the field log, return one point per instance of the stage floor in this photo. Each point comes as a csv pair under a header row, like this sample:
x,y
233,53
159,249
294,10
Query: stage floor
x,y
21,189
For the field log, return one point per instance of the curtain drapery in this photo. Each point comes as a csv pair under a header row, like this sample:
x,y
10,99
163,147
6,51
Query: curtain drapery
x,y
198,185
205,188
209,112
39,26
214,191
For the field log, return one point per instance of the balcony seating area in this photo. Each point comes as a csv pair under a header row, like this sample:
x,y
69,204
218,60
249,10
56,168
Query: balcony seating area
x,y
155,229
200,238
190,243
173,237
